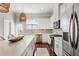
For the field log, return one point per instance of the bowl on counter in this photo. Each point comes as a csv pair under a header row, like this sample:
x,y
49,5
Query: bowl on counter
x,y
15,38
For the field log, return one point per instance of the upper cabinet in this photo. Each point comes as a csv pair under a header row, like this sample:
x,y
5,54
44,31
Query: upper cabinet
x,y
38,23
4,7
54,16
65,15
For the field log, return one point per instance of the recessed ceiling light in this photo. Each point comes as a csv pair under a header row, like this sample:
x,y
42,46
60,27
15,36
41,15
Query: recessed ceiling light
x,y
19,8
42,8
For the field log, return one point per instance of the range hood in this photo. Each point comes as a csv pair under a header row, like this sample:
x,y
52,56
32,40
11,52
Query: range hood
x,y
4,7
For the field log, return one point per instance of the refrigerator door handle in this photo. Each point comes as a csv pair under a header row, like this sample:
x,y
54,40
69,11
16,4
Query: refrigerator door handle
x,y
71,25
76,31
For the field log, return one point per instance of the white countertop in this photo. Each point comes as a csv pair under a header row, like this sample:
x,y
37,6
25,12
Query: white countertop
x,y
15,49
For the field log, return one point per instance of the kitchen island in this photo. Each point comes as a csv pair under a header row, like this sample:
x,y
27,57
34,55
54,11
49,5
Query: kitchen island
x,y
24,47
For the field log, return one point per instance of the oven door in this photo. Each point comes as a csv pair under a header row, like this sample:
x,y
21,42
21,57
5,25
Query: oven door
x,y
65,36
66,48
65,53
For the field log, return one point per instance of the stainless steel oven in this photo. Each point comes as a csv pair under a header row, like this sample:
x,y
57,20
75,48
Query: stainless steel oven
x,y
65,36
65,43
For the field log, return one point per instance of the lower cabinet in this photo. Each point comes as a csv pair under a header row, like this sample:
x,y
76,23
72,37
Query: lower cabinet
x,y
30,49
58,46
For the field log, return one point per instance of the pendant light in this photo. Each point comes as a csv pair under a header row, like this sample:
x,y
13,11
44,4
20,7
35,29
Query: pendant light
x,y
23,17
4,7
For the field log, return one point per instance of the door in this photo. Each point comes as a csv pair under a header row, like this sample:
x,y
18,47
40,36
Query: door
x,y
67,26
76,39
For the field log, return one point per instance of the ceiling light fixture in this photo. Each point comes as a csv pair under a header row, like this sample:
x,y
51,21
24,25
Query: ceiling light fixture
x,y
23,16
4,7
42,8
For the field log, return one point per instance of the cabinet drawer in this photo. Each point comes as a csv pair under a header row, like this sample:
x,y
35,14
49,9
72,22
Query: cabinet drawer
x,y
58,40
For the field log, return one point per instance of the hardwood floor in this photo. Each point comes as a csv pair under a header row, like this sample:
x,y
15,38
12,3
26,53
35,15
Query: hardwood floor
x,y
45,45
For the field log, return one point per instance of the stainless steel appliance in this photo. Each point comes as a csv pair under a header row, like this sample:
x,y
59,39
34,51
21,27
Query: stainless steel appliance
x,y
56,24
71,46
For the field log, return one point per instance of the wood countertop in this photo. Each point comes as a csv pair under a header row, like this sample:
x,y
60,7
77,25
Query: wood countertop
x,y
16,48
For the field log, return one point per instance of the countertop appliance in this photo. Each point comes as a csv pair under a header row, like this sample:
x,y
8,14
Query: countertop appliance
x,y
56,24
71,47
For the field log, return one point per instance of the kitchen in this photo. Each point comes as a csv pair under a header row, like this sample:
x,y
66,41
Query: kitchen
x,y
37,29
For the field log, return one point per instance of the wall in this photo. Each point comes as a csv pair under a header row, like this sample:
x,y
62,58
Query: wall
x,y
7,25
1,25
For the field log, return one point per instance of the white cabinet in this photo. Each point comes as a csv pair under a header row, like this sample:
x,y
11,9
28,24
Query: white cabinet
x,y
46,38
58,46
30,49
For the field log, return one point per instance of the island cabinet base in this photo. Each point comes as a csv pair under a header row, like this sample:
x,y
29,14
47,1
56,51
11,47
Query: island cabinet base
x,y
29,51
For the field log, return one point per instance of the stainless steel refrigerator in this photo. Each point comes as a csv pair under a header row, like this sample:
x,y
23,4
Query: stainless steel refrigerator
x,y
73,30
71,47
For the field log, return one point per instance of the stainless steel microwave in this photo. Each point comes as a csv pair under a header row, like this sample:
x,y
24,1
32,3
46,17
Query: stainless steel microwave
x,y
56,24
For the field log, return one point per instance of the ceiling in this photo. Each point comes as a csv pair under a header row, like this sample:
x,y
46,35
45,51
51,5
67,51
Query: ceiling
x,y
32,8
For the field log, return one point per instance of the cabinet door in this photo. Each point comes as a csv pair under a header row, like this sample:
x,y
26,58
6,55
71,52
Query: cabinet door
x,y
31,48
60,50
58,45
56,49
25,53
46,38
30,52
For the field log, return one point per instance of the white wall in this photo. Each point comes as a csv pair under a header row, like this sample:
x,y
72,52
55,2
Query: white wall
x,y
1,25
5,27
10,18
